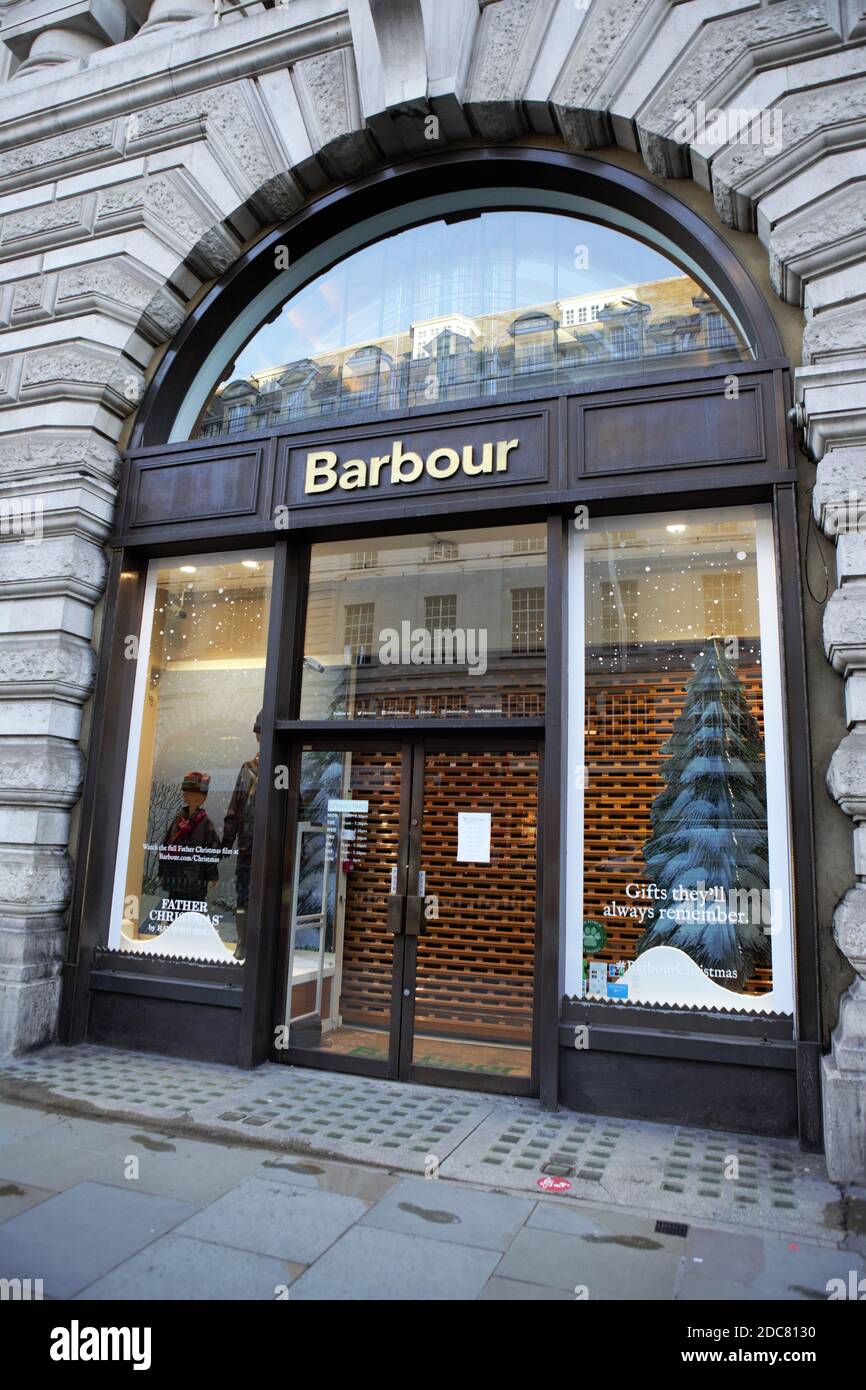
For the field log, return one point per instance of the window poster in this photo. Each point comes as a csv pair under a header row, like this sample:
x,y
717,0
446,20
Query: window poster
x,y
678,876
183,884
473,837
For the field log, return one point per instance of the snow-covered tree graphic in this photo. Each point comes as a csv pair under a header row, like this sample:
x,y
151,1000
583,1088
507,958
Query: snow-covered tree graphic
x,y
709,827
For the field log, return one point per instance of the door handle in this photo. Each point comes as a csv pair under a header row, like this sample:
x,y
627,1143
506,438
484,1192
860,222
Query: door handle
x,y
414,915
395,913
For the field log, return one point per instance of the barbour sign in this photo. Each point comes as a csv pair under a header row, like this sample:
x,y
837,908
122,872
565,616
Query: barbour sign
x,y
407,461
326,469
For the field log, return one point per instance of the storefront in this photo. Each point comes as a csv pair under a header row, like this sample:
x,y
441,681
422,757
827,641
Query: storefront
x,y
452,689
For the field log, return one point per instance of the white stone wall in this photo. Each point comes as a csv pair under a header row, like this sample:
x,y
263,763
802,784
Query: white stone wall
x,y
141,147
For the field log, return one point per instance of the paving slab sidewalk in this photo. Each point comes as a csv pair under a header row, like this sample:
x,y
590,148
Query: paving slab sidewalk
x,y
264,1224
507,1142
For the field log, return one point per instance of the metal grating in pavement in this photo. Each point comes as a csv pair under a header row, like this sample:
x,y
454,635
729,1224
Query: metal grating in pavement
x,y
700,1174
291,1107
504,1142
328,1112
563,1145
709,1165
125,1080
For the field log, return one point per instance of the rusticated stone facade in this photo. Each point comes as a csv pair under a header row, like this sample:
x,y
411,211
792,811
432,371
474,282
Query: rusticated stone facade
x,y
141,148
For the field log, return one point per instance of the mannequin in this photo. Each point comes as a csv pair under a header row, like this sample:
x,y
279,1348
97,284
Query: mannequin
x,y
238,826
186,870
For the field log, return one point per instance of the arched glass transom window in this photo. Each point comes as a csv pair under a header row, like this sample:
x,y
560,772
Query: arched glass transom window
x,y
472,305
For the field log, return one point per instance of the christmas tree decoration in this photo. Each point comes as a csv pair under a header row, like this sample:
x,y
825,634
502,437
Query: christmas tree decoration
x,y
708,851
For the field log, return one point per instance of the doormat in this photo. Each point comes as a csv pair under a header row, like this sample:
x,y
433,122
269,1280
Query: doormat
x,y
431,1059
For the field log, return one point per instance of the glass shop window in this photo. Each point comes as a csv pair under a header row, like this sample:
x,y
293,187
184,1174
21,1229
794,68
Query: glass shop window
x,y
499,302
182,882
678,873
446,626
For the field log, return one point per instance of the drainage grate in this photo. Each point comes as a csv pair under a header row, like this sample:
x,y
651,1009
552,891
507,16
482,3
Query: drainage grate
x,y
671,1228
558,1169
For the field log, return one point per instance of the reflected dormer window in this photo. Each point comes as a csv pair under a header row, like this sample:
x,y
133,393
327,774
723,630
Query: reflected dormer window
x,y
454,311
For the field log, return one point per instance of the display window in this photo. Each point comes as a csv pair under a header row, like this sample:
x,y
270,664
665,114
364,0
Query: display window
x,y
678,868
182,881
448,624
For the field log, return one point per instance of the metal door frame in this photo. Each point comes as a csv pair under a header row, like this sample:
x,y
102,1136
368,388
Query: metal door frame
x,y
406,915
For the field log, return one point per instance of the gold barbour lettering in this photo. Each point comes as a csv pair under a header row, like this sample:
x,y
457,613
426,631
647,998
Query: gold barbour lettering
x,y
325,470
321,472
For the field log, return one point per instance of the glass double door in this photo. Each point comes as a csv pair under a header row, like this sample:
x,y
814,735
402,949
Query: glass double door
x,y
410,930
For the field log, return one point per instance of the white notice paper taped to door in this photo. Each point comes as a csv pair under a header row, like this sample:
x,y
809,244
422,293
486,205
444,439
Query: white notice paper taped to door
x,y
473,837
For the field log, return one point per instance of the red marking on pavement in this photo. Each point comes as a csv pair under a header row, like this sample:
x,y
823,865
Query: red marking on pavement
x,y
554,1184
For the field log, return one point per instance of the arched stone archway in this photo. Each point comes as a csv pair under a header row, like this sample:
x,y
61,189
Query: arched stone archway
x,y
134,173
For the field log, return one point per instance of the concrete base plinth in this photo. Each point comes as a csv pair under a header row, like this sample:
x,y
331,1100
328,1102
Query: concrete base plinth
x,y
31,957
28,1014
844,1123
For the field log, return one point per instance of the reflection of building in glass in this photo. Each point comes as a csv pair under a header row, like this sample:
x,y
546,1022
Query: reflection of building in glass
x,y
723,603
527,620
453,356
364,560
436,629
358,631
619,611
444,550
440,611
668,592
